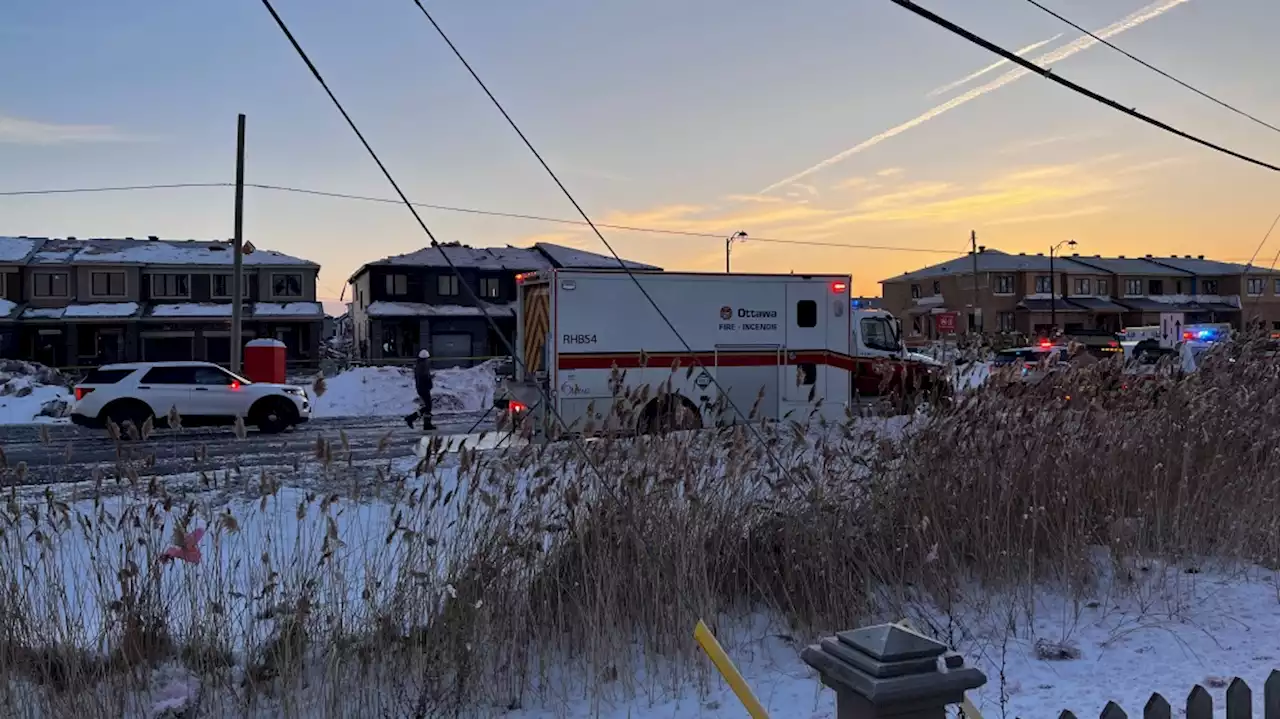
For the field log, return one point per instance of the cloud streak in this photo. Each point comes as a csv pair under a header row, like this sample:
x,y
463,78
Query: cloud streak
x,y
993,66
1084,42
18,131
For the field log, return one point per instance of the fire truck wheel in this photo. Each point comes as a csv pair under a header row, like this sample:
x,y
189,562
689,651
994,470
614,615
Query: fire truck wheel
x,y
669,413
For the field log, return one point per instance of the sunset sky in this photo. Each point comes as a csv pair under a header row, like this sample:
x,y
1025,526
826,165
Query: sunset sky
x,y
816,121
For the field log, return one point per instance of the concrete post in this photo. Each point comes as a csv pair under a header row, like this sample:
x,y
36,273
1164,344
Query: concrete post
x,y
890,671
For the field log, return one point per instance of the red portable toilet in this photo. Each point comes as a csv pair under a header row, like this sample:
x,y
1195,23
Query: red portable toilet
x,y
264,361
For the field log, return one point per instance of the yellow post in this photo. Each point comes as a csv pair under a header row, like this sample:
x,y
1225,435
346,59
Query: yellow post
x,y
966,707
708,642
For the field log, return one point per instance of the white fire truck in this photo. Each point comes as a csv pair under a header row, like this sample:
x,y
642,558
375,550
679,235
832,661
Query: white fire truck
x,y
782,339
768,344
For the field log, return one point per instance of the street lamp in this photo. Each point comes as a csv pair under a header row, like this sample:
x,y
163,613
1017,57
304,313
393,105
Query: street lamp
x,y
1053,287
728,246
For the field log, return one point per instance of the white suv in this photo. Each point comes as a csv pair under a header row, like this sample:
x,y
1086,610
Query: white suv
x,y
203,393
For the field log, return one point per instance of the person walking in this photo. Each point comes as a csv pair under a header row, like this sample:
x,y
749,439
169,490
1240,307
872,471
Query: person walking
x,y
422,382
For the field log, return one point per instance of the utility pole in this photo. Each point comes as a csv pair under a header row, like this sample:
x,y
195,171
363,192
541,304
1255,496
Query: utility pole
x,y
973,243
237,274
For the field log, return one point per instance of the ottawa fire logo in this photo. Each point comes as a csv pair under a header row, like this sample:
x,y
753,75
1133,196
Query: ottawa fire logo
x,y
726,313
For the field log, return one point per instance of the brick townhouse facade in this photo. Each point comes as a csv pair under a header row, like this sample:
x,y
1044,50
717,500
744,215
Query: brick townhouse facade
x,y
83,302
406,303
1018,293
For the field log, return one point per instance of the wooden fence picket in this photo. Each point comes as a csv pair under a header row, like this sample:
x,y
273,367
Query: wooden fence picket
x,y
1271,696
1239,700
1157,708
1199,703
1113,711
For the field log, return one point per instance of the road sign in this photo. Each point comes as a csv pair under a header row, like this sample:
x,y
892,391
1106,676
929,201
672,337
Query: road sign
x,y
1170,328
946,322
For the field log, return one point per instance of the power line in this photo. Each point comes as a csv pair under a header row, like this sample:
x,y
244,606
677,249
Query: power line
x,y
471,294
475,211
1155,69
1047,73
747,420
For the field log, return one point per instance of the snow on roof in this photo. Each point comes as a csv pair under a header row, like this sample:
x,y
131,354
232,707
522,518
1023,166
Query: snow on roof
x,y
1130,266
7,308
192,309
16,249
421,309
130,251
287,309
568,257
1201,266
43,313
516,259
101,309
994,261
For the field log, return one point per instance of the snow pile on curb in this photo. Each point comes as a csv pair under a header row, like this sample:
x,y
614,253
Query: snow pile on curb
x,y
32,393
389,392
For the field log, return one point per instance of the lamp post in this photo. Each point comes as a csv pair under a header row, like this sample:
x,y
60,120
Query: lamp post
x,y
1053,288
728,246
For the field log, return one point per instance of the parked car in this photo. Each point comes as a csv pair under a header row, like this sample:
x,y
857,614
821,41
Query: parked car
x,y
203,393
1033,362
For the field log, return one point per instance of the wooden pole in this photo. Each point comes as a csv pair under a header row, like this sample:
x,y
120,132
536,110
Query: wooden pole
x,y
237,274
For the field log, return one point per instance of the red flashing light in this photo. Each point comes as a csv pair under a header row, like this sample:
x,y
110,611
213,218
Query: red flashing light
x,y
1186,335
517,407
81,392
235,385
839,287
1045,344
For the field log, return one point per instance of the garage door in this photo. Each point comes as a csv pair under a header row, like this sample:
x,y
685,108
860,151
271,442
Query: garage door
x,y
450,349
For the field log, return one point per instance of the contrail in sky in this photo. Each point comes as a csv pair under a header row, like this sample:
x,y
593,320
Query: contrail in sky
x,y
993,66
1084,42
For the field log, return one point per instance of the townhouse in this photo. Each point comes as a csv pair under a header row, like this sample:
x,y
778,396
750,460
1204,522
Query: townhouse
x,y
406,303
1022,293
82,302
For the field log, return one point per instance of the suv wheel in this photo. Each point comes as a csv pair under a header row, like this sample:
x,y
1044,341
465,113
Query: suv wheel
x,y
128,413
273,415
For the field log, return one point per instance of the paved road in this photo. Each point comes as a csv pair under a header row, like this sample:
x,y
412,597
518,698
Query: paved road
x,y
72,452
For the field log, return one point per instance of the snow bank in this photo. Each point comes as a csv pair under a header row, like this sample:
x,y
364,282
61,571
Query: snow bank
x,y
32,393
389,392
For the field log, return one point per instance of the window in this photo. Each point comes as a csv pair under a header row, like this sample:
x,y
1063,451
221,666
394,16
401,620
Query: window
x,y
397,284
106,284
165,285
1177,287
1004,284
213,377
222,286
937,287
106,376
1132,287
1255,286
1155,287
1104,287
1084,286
286,285
447,285
915,292
1276,288
806,313
490,288
1006,322
878,334
49,284
169,375
1209,287
1044,285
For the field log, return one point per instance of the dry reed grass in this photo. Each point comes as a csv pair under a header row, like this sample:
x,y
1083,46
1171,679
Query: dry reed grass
x,y
491,581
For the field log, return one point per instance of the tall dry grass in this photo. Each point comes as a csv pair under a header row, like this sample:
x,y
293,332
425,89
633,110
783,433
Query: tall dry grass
x,y
478,582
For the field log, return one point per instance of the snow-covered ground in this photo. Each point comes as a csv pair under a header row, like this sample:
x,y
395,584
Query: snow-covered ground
x,y
389,392
31,393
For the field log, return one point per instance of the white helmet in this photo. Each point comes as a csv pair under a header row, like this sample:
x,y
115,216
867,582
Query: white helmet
x,y
424,355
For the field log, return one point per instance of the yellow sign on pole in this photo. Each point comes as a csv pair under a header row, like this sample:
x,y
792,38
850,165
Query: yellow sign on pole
x,y
724,664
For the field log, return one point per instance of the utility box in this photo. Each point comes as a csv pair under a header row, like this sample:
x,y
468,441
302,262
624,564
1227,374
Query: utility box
x,y
264,361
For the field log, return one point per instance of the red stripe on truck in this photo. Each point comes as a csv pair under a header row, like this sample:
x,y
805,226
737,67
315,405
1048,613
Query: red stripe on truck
x,y
657,360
